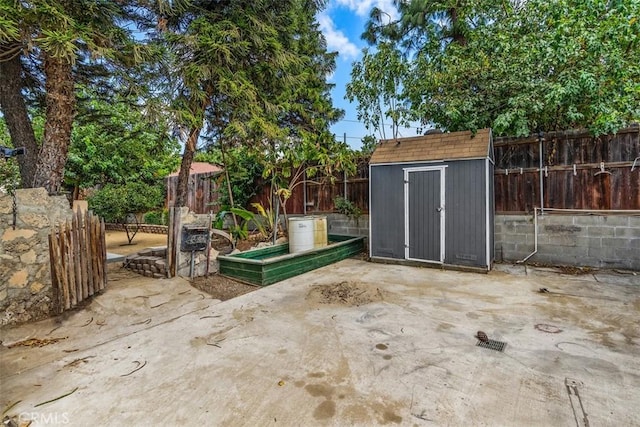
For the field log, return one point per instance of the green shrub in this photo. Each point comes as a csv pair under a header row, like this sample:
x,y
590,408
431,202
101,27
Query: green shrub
x,y
347,208
158,217
115,202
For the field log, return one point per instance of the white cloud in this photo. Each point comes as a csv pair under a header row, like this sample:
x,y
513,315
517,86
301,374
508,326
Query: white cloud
x,y
336,40
363,7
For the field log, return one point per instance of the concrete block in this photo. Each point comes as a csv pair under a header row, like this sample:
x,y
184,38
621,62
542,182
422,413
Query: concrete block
x,y
613,242
602,254
514,238
603,220
590,220
634,221
600,231
589,242
562,240
561,228
524,228
564,252
630,260
627,232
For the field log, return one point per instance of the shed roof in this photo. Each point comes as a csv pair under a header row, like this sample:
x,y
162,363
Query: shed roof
x,y
440,146
198,168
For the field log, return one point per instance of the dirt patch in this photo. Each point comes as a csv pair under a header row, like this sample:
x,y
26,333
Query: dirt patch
x,y
221,287
345,293
36,342
117,242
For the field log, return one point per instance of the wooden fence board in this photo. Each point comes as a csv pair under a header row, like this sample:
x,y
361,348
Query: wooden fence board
x,y
77,252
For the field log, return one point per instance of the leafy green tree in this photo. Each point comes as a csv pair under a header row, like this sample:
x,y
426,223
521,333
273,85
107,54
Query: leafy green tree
x,y
245,175
521,67
255,73
369,144
114,143
376,85
547,66
54,40
119,203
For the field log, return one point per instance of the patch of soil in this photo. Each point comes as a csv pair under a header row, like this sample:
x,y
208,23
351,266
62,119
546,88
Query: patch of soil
x,y
345,293
117,242
565,269
221,287
36,342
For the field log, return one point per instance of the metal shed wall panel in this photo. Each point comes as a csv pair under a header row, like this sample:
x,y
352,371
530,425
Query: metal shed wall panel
x,y
465,219
424,218
467,215
386,211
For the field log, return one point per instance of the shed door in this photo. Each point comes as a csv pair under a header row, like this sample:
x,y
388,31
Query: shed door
x,y
424,213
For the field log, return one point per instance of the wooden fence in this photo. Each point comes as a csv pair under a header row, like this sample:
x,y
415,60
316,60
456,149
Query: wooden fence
x,y
78,253
579,172
202,192
321,192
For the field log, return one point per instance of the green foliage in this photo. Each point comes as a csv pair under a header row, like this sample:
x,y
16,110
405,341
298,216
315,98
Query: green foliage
x,y
245,171
159,217
519,67
114,143
115,202
376,84
60,43
369,144
348,208
9,171
238,231
264,219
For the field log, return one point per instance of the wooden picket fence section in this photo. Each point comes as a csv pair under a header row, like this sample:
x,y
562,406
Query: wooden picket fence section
x,y
78,255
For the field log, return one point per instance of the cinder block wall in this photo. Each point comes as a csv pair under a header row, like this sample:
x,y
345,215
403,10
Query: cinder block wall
x,y
603,241
341,224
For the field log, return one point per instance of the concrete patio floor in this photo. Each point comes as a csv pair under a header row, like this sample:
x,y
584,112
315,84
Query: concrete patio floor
x,y
159,352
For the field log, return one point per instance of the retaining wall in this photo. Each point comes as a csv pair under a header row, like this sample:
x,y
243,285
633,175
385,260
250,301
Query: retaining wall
x,y
25,272
602,241
341,224
142,228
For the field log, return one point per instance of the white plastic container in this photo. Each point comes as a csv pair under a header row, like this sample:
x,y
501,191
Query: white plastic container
x,y
320,239
301,232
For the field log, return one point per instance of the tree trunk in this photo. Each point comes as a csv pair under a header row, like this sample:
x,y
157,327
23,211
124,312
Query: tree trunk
x,y
16,114
61,102
456,29
185,167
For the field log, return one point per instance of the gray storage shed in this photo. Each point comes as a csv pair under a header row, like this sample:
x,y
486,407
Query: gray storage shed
x,y
431,200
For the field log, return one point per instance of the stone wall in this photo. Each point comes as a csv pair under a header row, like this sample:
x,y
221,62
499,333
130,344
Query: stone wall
x,y
25,273
602,241
141,228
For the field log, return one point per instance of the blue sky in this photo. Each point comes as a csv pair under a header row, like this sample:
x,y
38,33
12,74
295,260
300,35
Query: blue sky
x,y
342,23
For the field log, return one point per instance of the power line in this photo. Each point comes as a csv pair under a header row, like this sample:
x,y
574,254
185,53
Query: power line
x,y
386,124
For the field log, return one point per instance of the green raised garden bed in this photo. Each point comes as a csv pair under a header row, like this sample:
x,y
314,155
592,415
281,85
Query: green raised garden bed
x,y
273,264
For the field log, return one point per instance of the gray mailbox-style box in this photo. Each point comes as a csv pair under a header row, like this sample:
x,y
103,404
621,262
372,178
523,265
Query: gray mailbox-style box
x,y
194,238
